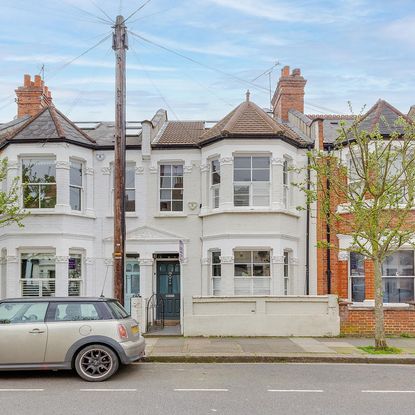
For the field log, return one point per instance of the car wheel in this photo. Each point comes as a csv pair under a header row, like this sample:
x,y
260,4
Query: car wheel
x,y
96,363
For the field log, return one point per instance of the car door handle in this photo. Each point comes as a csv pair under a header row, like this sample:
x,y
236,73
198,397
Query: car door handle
x,y
36,331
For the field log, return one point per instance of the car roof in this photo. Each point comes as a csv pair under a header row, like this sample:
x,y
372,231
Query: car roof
x,y
55,299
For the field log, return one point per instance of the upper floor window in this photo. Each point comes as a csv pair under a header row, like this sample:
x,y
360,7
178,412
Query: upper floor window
x,y
39,183
286,183
215,183
171,187
251,177
75,185
130,188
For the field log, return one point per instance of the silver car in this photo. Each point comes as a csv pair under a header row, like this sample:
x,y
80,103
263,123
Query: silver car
x,y
91,335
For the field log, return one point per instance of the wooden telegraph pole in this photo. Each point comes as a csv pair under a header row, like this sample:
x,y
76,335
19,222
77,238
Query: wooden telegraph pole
x,y
120,45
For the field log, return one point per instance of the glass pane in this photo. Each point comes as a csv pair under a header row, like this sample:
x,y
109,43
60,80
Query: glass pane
x,y
260,175
76,312
74,288
242,162
398,290
130,176
136,268
243,286
37,266
260,271
47,195
130,200
357,264
75,198
177,170
243,270
216,257
31,196
177,182
38,171
241,195
14,313
216,270
76,173
129,267
242,175
165,206
165,182
260,200
177,206
215,178
165,170
261,286
260,162
358,289
165,194
75,266
243,257
400,263
261,256
177,194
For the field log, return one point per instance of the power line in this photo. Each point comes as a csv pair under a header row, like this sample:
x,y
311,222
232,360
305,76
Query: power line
x,y
197,62
102,20
137,10
151,15
102,11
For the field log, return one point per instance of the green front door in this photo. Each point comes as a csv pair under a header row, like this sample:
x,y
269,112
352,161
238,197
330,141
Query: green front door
x,y
168,286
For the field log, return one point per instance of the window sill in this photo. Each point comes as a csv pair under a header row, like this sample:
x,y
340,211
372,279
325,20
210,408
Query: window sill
x,y
48,211
370,305
171,215
127,215
251,210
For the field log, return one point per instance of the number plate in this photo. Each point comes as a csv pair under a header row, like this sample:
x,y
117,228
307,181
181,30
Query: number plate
x,y
134,329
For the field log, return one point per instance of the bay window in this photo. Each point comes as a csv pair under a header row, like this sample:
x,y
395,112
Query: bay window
x,y
215,183
286,272
286,183
216,272
37,275
39,183
252,272
75,275
171,188
251,181
75,185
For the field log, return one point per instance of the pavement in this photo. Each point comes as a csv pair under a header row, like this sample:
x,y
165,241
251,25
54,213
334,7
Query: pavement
x,y
273,349
223,388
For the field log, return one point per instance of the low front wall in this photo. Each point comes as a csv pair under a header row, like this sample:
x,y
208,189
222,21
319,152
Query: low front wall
x,y
263,316
360,320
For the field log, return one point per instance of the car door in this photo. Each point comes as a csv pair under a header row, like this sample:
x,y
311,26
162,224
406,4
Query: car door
x,y
69,322
23,332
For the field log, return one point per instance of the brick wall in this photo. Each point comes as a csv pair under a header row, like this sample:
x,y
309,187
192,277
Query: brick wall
x,y
360,321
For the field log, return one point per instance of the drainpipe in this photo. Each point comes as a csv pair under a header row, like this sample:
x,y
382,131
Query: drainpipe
x,y
328,231
307,247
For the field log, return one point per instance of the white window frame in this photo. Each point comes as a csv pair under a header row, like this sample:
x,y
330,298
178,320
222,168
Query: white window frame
x,y
39,281
250,184
38,158
286,182
253,278
215,279
215,188
286,272
81,188
170,163
81,279
354,276
128,164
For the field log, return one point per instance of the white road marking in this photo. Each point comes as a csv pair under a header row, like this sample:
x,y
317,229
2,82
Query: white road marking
x,y
108,390
21,390
297,390
201,390
386,391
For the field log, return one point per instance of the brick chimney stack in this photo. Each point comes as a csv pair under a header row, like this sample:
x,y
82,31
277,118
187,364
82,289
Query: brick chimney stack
x,y
32,96
289,93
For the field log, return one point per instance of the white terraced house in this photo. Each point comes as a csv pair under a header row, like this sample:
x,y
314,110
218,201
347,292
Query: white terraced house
x,y
213,233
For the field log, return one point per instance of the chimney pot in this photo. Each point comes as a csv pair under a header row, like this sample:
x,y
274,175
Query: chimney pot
x,y
285,71
27,80
38,80
297,72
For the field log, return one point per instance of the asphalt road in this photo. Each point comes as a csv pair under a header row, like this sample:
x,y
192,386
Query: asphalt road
x,y
173,389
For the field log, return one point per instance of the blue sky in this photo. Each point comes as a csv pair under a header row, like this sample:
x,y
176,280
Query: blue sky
x,y
348,50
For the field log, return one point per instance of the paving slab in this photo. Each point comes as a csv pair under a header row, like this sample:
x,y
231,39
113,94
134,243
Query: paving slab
x,y
311,345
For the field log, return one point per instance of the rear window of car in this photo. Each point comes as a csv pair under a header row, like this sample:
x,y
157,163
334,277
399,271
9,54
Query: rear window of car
x,y
117,310
77,311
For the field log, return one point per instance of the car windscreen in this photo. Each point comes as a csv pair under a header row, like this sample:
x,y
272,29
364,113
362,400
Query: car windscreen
x,y
118,310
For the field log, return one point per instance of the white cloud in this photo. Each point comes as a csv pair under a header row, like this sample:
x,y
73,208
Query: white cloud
x,y
402,30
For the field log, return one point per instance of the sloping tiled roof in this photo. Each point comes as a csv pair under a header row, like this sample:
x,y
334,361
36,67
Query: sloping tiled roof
x,y
247,119
330,117
9,127
384,116
180,132
48,124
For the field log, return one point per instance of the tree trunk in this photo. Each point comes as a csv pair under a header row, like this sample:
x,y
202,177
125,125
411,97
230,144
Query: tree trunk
x,y
380,341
